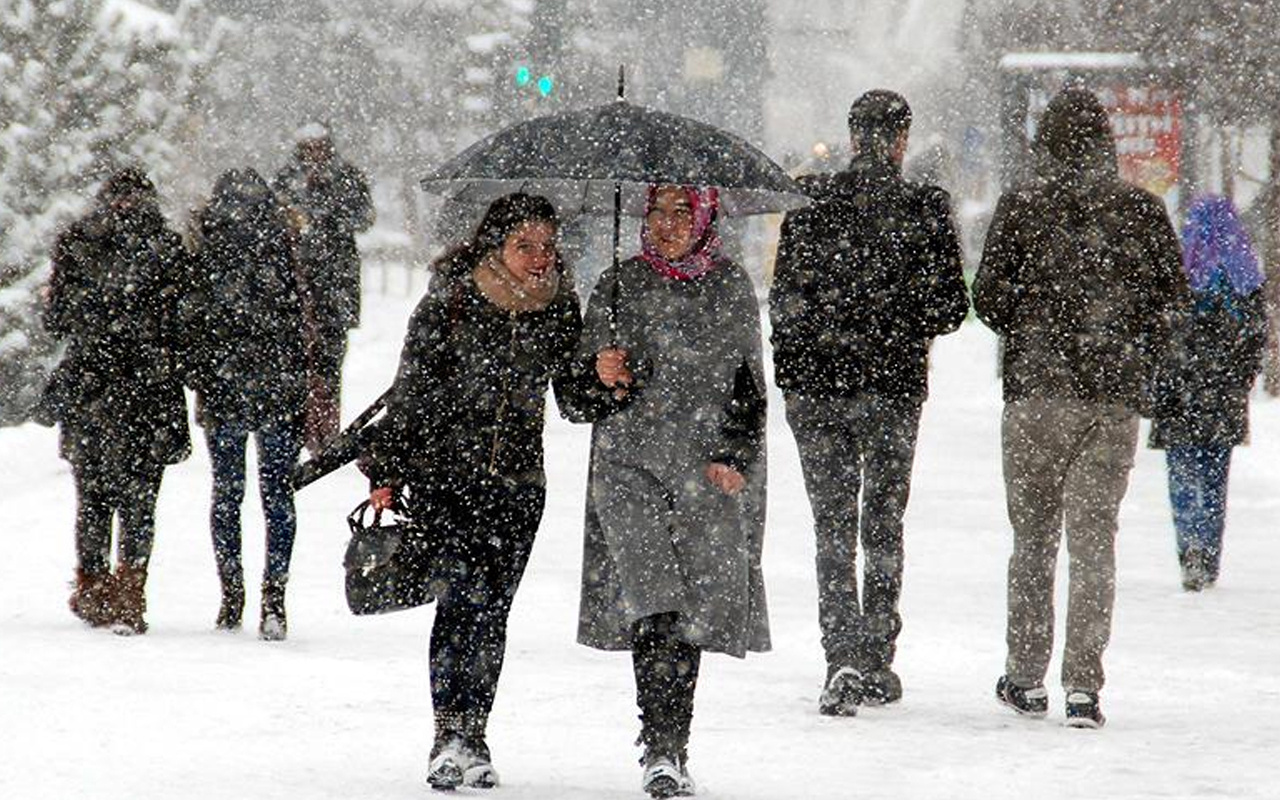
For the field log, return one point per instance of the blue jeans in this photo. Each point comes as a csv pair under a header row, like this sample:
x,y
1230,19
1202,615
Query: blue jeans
x,y
278,445
1198,494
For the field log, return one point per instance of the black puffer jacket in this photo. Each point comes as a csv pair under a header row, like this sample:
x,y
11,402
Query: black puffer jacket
x,y
248,360
118,279
865,277
470,395
1202,387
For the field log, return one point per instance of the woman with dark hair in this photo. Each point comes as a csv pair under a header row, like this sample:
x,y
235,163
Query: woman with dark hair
x,y
249,370
118,277
462,439
1202,392
1081,279
675,501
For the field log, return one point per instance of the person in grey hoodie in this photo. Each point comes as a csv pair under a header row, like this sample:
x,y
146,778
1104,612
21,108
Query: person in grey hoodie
x,y
676,494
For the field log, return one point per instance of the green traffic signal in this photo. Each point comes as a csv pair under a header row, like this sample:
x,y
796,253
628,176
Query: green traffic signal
x,y
523,76
545,85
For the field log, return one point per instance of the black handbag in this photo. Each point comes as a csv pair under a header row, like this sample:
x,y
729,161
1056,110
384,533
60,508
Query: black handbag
x,y
388,566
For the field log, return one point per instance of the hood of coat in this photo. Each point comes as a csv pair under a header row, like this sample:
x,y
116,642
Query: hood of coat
x,y
1075,145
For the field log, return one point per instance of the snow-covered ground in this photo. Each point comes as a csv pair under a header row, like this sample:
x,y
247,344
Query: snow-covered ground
x,y
341,709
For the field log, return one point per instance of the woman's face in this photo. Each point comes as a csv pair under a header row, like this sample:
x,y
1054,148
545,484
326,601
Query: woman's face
x,y
529,252
671,223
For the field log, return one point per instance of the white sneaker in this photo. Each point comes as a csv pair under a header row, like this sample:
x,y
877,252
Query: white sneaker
x,y
663,778
448,765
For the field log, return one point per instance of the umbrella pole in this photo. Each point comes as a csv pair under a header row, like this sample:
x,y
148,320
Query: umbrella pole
x,y
617,278
617,230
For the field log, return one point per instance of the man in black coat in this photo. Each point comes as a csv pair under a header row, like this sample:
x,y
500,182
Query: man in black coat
x,y
330,203
865,278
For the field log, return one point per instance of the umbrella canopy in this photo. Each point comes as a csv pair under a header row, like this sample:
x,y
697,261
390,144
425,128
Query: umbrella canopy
x,y
578,159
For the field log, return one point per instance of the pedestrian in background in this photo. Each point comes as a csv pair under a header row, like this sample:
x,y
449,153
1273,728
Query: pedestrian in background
x,y
865,278
1202,391
329,204
248,367
119,275
1081,278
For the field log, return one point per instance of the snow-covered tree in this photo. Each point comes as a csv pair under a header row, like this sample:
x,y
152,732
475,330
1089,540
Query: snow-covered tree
x,y
85,86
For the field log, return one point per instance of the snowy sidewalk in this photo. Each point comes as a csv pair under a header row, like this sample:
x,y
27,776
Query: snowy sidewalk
x,y
341,709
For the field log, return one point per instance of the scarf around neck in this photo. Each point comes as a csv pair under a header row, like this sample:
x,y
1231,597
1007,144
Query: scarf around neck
x,y
502,289
705,253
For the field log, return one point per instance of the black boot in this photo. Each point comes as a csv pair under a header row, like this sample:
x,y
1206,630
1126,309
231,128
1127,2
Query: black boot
x,y
231,612
273,627
666,670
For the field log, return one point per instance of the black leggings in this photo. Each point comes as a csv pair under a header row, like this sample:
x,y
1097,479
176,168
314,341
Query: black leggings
x,y
666,670
486,535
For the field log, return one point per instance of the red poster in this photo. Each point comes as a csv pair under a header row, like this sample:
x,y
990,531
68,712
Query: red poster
x,y
1147,121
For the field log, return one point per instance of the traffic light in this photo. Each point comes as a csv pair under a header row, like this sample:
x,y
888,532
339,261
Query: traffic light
x,y
545,84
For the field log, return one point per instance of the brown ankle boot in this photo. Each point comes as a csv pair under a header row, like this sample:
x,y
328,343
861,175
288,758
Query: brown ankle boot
x,y
92,598
130,600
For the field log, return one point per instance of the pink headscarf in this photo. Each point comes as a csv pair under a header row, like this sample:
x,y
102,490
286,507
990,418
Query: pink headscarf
x,y
706,242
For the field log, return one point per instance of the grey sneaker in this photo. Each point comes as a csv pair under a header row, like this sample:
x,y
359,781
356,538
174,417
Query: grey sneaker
x,y
1083,710
1031,701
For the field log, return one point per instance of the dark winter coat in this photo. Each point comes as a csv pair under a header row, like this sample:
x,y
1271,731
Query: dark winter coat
x,y
1081,275
118,279
1202,387
469,398
248,356
335,205
659,537
865,277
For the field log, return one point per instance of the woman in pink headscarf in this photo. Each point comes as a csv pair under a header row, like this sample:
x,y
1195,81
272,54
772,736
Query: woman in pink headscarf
x,y
675,502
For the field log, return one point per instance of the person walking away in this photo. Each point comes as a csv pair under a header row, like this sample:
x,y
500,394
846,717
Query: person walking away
x,y
1081,278
330,203
1202,389
865,278
248,368
462,437
118,276
676,493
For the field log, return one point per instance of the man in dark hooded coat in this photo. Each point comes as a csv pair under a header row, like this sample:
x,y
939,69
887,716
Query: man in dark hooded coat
x,y
865,278
119,275
1081,278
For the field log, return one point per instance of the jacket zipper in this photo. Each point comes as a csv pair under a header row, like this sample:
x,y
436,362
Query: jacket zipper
x,y
506,396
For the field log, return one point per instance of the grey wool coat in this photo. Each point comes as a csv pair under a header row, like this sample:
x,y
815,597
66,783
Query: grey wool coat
x,y
659,536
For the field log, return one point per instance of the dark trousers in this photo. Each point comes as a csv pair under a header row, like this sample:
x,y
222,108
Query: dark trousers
x,y
104,491
856,454
278,445
485,534
666,669
1198,494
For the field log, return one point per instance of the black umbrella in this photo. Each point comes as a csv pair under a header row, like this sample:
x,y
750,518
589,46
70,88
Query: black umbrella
x,y
582,159
588,160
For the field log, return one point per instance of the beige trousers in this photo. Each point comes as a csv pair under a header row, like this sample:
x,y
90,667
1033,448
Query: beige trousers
x,y
1066,464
